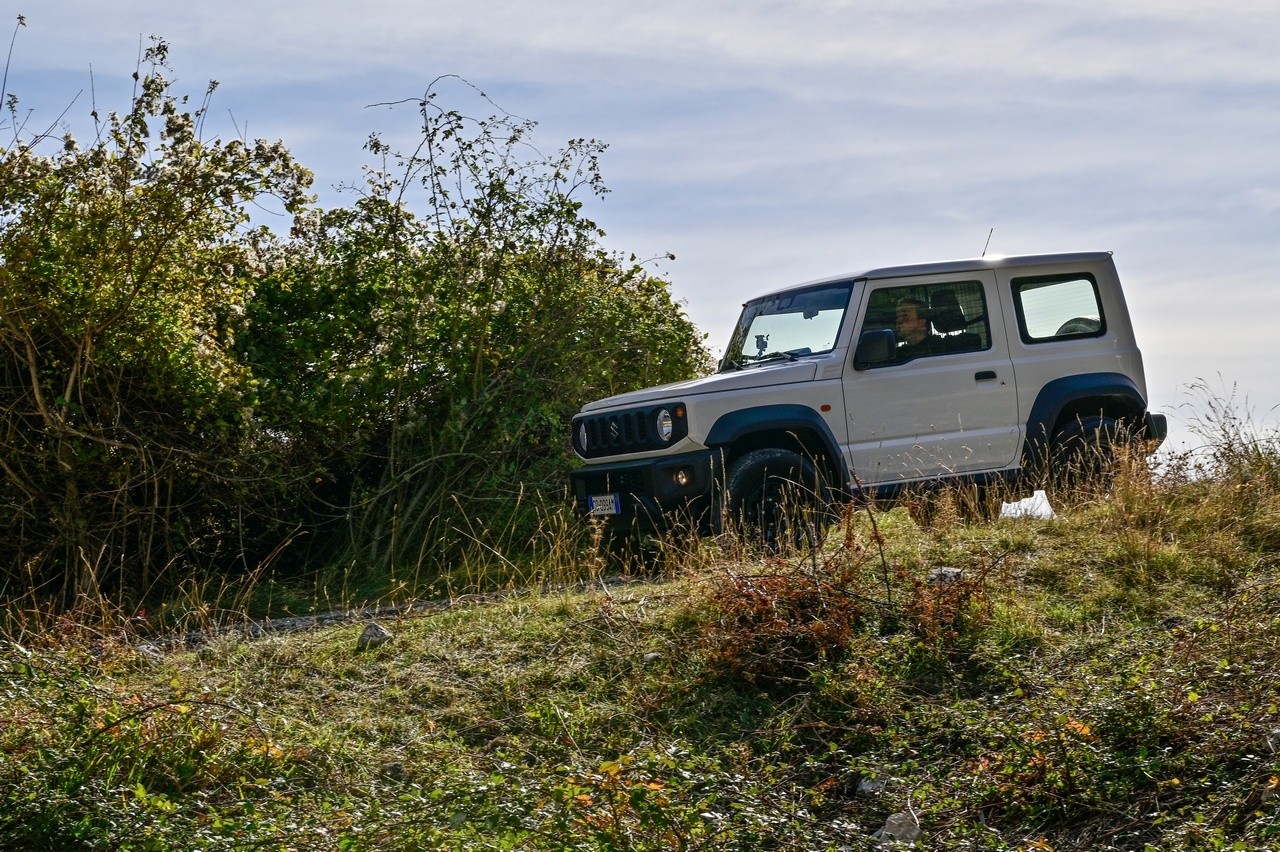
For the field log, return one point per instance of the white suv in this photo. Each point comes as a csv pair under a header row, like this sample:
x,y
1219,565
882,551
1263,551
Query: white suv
x,y
875,385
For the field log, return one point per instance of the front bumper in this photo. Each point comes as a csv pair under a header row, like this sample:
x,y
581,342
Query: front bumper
x,y
653,493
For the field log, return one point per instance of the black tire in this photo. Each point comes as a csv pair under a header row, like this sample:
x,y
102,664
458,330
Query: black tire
x,y
1082,454
778,500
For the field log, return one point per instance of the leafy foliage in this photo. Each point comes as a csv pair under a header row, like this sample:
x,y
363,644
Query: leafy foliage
x,y
429,362
188,394
126,426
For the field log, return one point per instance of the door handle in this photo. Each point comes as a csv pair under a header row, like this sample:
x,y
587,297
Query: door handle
x,y
984,375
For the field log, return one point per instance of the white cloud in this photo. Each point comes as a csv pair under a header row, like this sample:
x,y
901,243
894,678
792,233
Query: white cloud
x,y
765,40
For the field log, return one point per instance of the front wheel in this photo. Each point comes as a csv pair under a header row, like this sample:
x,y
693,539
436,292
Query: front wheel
x,y
777,499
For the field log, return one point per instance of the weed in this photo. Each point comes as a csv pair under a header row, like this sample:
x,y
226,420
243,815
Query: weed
x,y
1101,680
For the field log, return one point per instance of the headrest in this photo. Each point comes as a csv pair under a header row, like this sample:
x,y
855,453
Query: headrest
x,y
945,312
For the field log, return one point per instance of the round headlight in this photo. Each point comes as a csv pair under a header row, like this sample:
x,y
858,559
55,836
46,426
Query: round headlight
x,y
666,425
582,436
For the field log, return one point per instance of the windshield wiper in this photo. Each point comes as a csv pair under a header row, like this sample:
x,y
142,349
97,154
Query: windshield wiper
x,y
746,360
789,354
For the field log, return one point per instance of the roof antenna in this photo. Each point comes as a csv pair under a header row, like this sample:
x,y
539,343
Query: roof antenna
x,y
984,248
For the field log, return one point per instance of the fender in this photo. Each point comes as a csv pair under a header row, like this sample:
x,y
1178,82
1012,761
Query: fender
x,y
735,425
1115,391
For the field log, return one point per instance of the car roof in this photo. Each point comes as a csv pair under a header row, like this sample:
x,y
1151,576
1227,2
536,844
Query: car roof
x,y
946,267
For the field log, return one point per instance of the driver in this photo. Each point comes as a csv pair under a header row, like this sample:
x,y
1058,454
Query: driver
x,y
914,336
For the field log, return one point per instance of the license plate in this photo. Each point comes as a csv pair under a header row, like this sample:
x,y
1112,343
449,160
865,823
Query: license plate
x,y
604,504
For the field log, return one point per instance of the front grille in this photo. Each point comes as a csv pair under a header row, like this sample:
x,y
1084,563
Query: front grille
x,y
623,432
634,430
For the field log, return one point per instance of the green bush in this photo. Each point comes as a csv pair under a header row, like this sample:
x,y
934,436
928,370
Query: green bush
x,y
379,390
126,427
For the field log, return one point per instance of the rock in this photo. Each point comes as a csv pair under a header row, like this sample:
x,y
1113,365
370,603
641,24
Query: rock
x,y
945,576
152,653
899,828
1273,741
869,787
374,636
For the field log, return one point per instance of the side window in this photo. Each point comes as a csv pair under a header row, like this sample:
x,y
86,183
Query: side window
x,y
931,319
1058,307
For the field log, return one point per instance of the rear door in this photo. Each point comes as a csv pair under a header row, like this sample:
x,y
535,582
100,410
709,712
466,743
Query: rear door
x,y
945,405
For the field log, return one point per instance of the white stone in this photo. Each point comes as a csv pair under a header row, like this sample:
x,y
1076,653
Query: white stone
x,y
1035,506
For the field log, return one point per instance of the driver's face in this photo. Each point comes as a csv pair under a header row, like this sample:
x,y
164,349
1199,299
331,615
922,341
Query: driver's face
x,y
911,326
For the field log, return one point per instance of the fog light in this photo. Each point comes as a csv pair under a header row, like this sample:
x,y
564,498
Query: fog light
x,y
682,477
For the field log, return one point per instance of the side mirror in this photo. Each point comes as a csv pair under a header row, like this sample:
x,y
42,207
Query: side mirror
x,y
875,349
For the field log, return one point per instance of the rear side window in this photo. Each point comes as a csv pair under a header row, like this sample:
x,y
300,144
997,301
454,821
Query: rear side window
x,y
1058,307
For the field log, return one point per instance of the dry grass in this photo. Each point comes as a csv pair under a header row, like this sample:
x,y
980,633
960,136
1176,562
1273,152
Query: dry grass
x,y
1102,680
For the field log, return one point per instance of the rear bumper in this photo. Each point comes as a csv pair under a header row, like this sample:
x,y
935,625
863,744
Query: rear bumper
x,y
650,493
1155,428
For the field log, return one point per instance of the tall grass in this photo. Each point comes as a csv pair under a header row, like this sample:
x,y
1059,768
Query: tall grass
x,y
1100,680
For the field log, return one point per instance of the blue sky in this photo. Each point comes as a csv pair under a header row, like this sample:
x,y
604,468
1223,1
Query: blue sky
x,y
766,142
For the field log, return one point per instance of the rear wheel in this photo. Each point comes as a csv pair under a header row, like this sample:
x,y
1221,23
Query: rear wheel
x,y
1082,455
778,500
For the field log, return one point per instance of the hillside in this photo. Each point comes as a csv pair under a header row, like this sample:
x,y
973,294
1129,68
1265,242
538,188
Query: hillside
x,y
1103,680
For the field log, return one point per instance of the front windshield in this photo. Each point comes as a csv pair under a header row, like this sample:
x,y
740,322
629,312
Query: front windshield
x,y
788,325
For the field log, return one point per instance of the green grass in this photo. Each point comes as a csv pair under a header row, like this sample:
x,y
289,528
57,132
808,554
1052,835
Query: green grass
x,y
1104,680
